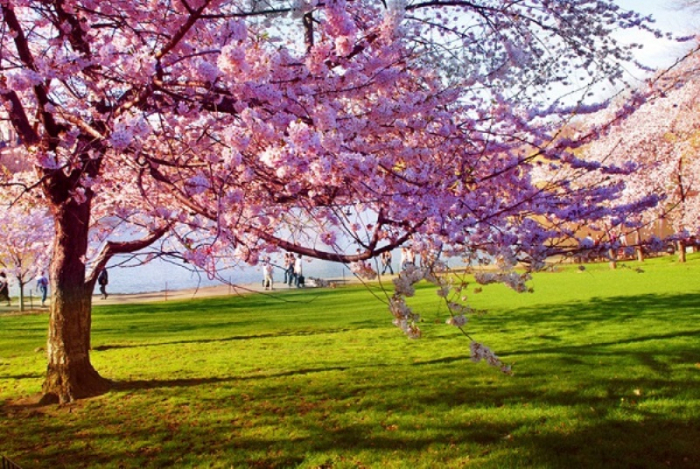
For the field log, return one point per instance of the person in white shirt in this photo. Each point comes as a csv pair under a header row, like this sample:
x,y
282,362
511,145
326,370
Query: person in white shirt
x,y
268,280
298,272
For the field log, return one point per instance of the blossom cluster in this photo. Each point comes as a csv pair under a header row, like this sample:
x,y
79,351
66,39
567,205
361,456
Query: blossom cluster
x,y
404,317
363,270
654,135
407,278
26,238
511,279
457,321
481,352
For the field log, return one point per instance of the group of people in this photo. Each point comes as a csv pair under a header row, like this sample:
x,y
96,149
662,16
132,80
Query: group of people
x,y
42,284
408,257
293,272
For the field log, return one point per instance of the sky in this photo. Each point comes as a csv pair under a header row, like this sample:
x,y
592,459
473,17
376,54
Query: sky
x,y
669,17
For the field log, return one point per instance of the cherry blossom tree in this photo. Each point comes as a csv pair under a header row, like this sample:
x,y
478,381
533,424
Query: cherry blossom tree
x,y
26,239
334,129
662,138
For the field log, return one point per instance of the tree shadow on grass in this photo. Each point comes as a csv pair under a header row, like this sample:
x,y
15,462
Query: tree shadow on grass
x,y
684,307
132,385
23,376
639,320
615,443
597,348
610,444
280,334
487,437
644,440
105,347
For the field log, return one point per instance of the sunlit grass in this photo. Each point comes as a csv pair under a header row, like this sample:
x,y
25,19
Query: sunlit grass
x,y
607,368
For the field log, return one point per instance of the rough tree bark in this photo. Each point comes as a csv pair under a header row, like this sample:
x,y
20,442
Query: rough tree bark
x,y
70,375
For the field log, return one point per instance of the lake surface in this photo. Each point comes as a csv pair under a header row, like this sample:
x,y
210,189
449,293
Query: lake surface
x,y
160,275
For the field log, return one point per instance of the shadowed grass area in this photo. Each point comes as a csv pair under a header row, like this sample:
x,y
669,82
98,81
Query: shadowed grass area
x,y
607,368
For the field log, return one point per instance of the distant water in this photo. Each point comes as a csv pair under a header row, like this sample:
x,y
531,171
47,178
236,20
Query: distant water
x,y
159,276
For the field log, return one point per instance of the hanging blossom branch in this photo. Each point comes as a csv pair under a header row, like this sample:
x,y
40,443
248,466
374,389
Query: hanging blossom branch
x,y
407,320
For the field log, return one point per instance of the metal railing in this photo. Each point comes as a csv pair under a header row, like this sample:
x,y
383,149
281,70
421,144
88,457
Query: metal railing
x,y
7,463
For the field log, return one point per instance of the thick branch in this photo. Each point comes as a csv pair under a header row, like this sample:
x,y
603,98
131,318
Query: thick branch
x,y
77,35
368,253
19,118
309,30
25,55
113,248
191,21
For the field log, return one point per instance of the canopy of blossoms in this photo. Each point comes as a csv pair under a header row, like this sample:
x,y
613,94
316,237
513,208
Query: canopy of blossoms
x,y
661,140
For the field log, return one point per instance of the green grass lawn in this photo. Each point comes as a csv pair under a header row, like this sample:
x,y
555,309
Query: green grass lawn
x,y
607,375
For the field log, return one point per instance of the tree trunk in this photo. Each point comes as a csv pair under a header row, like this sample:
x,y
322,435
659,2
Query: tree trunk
x,y
70,375
613,258
640,251
681,251
21,295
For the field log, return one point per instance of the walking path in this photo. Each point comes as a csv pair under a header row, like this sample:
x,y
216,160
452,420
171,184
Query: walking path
x,y
33,305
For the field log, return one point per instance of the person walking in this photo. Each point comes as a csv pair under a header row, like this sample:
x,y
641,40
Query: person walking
x,y
103,280
4,288
42,283
298,273
407,258
386,262
289,276
268,280
285,268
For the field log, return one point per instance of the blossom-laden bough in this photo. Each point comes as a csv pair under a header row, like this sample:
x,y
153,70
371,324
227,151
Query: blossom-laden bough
x,y
661,139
